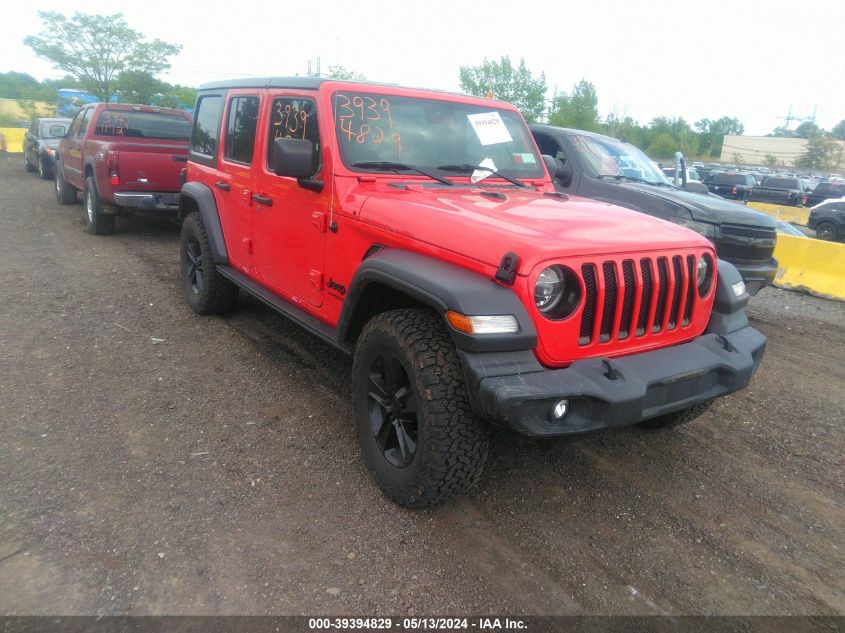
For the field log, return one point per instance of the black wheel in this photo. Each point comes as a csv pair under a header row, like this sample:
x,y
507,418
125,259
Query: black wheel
x,y
677,418
419,436
826,231
65,194
29,166
206,290
96,222
43,171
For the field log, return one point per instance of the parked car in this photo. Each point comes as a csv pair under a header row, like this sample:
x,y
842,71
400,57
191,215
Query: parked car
x,y
419,232
125,159
592,169
692,174
824,191
2,143
40,144
784,190
827,219
730,185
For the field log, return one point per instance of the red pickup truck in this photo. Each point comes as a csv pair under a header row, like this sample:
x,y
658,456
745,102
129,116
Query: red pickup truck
x,y
124,158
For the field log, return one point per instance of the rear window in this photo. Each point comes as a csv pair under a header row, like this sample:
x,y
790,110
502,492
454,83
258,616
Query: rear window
x,y
729,179
53,129
129,124
781,183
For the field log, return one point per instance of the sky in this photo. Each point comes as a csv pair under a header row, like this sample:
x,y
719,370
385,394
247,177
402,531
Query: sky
x,y
747,59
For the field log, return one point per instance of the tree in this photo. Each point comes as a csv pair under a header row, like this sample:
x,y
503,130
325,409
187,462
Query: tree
x,y
771,160
711,134
95,49
663,146
516,85
579,111
838,130
339,72
808,129
822,152
138,86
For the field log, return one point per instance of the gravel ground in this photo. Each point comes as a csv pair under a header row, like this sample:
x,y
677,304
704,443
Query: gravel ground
x,y
156,462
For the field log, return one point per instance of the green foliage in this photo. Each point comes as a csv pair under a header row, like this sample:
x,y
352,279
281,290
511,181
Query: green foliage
x,y
838,130
711,134
95,49
771,160
138,86
663,146
808,129
515,85
579,111
823,152
341,73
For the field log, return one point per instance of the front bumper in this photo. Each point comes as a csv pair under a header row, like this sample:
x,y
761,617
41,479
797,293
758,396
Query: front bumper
x,y
757,275
148,201
605,393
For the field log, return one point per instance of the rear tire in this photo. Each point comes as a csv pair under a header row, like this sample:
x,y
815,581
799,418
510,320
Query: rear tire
x,y
419,436
96,222
826,231
43,172
65,194
677,418
206,290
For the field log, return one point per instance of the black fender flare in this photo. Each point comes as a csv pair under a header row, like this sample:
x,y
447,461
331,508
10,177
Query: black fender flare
x,y
442,286
728,309
203,197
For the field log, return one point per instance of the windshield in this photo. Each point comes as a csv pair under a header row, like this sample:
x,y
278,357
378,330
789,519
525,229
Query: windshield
x,y
609,157
59,128
379,128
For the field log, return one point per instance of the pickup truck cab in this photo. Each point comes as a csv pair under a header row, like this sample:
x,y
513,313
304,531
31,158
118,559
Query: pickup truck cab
x,y
789,191
730,185
40,144
124,158
419,232
606,169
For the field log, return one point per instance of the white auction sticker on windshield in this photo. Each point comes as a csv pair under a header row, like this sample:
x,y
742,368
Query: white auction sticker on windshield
x,y
489,128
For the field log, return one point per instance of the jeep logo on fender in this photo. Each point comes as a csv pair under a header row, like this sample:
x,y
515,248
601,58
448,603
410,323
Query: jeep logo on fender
x,y
338,288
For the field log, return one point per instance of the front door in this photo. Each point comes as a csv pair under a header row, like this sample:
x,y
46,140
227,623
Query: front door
x,y
72,161
290,220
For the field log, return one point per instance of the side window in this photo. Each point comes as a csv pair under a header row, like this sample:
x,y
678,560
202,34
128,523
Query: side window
x,y
294,118
548,146
241,124
77,121
207,125
88,114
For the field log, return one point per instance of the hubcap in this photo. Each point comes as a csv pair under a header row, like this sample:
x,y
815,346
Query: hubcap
x,y
193,264
392,409
825,232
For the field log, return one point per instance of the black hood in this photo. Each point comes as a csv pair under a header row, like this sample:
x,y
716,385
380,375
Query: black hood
x,y
706,207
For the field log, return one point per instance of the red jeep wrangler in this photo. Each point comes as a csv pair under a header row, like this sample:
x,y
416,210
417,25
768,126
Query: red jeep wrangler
x,y
129,159
419,232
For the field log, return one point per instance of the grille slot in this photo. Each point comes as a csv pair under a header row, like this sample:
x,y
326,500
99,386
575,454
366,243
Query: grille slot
x,y
636,298
745,243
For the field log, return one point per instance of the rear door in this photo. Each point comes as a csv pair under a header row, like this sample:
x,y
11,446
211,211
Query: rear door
x,y
290,229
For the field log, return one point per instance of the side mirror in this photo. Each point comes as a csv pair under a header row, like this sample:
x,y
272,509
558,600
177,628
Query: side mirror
x,y
696,187
557,170
293,158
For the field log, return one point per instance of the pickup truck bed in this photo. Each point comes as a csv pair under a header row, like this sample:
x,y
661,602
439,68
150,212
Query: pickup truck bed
x,y
786,191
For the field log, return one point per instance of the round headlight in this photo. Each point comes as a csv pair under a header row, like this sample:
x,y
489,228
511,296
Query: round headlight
x,y
704,275
549,288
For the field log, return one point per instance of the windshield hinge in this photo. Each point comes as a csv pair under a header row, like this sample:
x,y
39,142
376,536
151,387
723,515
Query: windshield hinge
x,y
506,273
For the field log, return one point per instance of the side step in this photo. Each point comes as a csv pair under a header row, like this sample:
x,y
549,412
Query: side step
x,y
302,319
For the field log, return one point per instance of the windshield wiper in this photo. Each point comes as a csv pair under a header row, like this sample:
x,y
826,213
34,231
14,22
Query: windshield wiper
x,y
397,167
467,168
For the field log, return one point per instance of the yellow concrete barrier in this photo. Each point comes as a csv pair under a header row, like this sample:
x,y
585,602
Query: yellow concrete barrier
x,y
812,266
14,139
798,215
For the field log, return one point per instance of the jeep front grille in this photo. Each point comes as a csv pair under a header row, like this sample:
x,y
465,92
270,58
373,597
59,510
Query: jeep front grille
x,y
636,298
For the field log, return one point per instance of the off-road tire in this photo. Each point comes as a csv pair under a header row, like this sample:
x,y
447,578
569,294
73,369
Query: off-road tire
x,y
452,442
95,221
27,165
215,294
826,231
65,194
677,418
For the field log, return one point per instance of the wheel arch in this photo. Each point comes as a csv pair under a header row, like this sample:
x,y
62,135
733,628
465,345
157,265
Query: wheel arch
x,y
395,278
197,197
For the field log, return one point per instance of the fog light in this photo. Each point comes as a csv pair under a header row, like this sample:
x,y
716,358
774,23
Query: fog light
x,y
560,410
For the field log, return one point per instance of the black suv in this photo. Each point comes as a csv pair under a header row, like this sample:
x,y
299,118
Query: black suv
x,y
828,220
41,143
606,169
733,186
824,191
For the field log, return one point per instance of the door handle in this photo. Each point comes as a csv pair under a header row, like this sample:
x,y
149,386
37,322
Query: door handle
x,y
222,185
264,200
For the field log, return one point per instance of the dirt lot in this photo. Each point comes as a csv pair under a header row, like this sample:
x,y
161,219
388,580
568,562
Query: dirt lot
x,y
156,462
